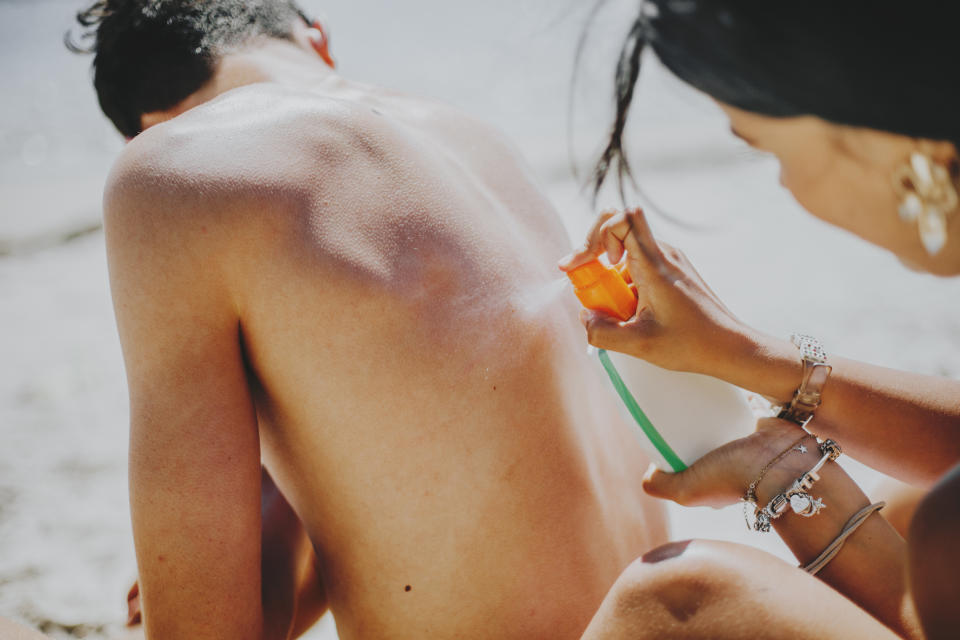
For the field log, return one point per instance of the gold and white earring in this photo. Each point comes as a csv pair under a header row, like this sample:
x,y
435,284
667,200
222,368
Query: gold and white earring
x,y
928,197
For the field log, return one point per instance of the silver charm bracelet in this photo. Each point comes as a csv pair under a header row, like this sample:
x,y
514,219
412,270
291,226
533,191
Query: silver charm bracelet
x,y
798,497
749,499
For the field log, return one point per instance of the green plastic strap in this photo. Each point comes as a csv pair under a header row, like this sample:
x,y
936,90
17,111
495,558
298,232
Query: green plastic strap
x,y
643,421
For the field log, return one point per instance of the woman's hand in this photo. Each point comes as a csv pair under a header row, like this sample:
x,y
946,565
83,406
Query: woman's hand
x,y
721,477
680,323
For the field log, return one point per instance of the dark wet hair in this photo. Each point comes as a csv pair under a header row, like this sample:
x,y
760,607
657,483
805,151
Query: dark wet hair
x,y
885,65
152,54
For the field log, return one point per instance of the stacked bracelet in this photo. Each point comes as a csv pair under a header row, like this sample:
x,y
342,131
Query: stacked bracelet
x,y
750,497
815,373
834,547
797,497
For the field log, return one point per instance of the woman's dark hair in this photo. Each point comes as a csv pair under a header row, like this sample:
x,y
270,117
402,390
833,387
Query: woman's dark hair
x,y
882,64
151,54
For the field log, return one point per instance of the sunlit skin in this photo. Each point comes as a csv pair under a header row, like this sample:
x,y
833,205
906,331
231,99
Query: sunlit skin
x,y
275,362
345,284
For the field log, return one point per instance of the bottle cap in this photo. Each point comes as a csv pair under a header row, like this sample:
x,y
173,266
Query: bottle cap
x,y
602,288
587,274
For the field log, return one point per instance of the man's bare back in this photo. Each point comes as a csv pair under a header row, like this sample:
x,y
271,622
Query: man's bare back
x,y
351,285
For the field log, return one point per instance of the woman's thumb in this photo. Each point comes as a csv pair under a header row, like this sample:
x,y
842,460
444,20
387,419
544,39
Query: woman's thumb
x,y
607,332
603,330
661,484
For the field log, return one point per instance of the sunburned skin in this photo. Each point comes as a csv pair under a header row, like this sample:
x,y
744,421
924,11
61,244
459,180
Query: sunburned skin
x,y
423,396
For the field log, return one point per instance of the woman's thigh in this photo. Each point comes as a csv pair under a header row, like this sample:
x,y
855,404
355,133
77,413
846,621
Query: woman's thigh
x,y
725,591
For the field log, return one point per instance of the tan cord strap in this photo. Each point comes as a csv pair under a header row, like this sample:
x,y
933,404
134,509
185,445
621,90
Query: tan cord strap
x,y
834,547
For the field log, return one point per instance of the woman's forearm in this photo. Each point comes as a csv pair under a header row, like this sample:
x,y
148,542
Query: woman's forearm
x,y
870,568
904,424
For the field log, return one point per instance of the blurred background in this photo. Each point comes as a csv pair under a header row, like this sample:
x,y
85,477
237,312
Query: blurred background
x,y
66,556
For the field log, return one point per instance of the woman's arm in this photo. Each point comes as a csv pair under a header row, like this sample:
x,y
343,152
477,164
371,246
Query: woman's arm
x,y
904,424
870,568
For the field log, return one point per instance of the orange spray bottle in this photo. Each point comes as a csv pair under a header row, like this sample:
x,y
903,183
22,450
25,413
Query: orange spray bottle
x,y
603,288
693,414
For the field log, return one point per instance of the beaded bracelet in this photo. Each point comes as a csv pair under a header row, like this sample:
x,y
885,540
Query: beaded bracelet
x,y
750,497
797,497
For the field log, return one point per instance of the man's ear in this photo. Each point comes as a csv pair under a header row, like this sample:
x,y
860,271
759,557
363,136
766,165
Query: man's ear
x,y
320,41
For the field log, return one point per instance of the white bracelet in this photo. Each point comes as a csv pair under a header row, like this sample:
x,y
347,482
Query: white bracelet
x,y
815,373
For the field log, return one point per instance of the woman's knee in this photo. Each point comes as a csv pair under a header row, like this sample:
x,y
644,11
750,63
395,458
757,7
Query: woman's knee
x,y
673,587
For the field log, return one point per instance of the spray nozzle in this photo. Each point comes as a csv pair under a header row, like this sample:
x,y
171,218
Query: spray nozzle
x,y
603,288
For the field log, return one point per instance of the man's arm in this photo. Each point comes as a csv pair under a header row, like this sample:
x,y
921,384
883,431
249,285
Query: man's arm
x,y
294,596
194,446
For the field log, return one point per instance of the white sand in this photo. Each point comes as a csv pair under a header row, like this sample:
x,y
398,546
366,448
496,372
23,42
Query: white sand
x,y
65,551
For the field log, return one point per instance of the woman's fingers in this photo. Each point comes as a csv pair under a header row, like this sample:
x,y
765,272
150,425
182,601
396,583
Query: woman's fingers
x,y
602,329
592,247
700,485
683,487
614,233
640,242
607,332
660,484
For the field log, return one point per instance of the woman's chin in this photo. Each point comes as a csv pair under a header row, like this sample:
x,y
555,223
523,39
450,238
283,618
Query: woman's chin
x,y
913,266
940,268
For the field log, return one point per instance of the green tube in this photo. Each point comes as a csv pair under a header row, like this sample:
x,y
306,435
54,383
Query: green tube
x,y
639,416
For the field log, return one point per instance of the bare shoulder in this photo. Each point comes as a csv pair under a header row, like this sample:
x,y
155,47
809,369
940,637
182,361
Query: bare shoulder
x,y
262,170
254,147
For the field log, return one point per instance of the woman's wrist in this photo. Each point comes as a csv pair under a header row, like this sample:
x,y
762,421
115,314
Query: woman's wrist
x,y
772,444
841,497
763,364
870,566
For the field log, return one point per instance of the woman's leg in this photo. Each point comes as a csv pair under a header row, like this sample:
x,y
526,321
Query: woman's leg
x,y
725,591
